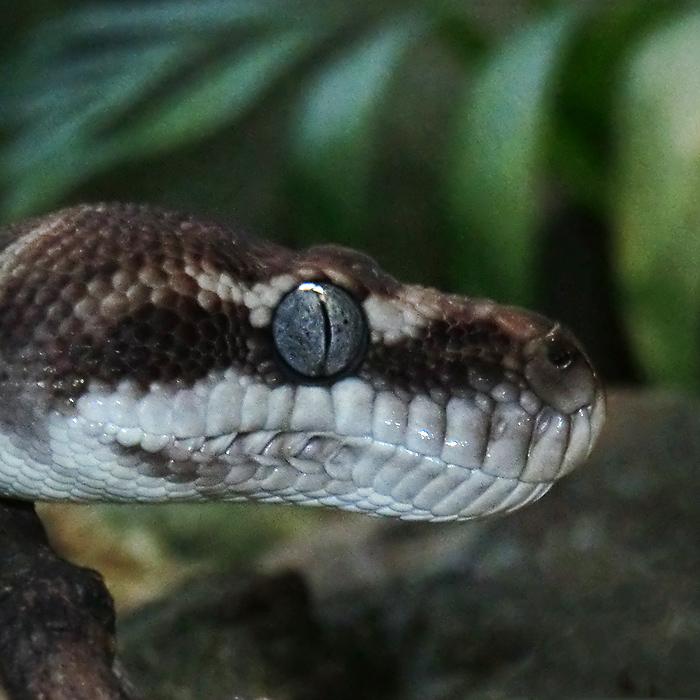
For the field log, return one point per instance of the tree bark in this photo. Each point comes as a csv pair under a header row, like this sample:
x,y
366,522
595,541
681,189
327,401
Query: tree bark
x,y
56,619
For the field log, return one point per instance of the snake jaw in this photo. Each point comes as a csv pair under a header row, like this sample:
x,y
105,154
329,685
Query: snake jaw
x,y
560,373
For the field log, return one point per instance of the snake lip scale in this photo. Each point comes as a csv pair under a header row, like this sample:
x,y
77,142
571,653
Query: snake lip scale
x,y
152,356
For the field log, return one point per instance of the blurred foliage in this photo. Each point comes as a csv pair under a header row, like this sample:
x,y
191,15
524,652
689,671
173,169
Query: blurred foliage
x,y
459,142
144,551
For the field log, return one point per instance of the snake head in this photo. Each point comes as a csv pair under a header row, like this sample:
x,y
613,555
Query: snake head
x,y
151,356
495,401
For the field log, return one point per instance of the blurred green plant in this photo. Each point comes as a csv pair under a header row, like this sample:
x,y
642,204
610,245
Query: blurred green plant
x,y
497,108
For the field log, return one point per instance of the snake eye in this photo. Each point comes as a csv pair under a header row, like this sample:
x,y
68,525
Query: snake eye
x,y
558,371
319,331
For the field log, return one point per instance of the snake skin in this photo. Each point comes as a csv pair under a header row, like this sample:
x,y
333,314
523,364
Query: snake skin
x,y
137,363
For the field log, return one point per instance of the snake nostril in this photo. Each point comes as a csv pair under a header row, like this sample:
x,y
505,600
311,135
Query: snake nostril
x,y
558,371
559,354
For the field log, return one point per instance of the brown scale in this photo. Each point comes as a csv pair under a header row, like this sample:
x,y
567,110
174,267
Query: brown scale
x,y
441,357
80,302
104,295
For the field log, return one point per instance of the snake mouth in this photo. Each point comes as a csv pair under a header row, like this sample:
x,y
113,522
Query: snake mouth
x,y
561,442
480,459
508,436
352,446
367,476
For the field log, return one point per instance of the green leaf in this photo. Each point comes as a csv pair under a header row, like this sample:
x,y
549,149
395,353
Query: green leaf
x,y
582,147
119,20
71,109
57,146
335,128
119,82
498,154
216,97
658,207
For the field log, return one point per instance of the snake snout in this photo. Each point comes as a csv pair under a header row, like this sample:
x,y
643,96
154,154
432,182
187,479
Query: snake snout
x,y
559,372
567,427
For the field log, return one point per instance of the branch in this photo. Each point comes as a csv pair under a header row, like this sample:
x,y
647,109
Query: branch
x,y
56,619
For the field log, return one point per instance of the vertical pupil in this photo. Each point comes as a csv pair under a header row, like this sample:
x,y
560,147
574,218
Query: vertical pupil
x,y
319,331
327,329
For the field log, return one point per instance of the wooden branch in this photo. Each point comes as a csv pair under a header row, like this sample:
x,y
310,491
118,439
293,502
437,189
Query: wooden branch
x,y
56,619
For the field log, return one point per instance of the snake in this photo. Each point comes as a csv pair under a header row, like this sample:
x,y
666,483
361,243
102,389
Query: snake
x,y
151,356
